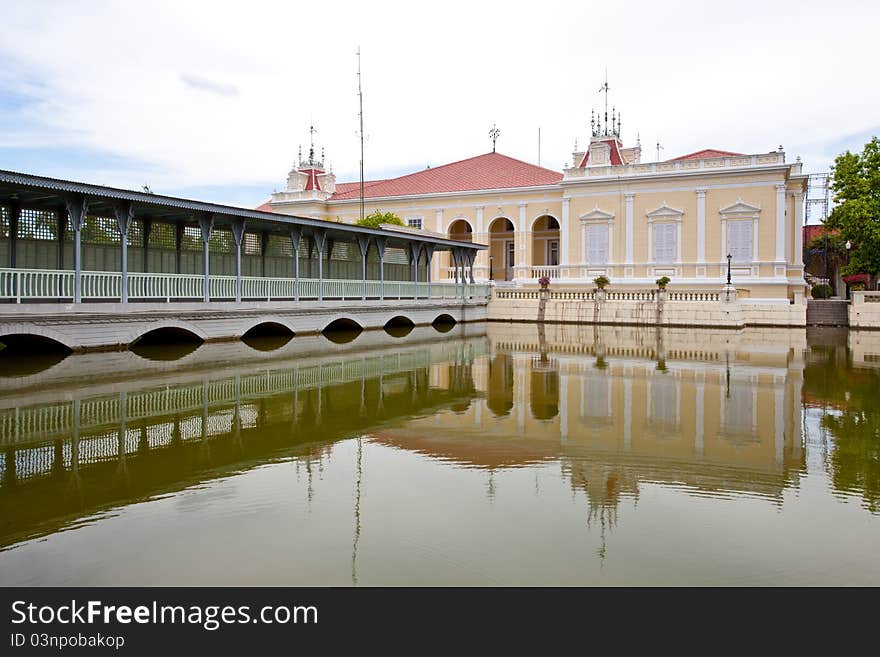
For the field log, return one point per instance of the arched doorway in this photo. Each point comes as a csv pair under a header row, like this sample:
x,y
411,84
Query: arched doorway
x,y
545,245
462,231
502,249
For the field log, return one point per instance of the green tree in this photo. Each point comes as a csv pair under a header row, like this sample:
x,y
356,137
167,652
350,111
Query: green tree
x,y
855,181
377,218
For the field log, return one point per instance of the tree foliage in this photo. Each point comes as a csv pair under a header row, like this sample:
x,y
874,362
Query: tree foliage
x,y
855,181
377,218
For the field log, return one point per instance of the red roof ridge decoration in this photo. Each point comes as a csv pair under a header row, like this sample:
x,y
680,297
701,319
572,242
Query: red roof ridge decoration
x,y
487,171
615,157
703,154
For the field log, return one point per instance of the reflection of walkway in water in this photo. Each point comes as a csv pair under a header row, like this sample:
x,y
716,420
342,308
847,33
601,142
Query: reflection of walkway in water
x,y
137,442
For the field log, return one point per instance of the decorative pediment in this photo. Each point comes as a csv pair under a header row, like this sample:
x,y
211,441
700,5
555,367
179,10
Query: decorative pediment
x,y
665,212
740,208
597,215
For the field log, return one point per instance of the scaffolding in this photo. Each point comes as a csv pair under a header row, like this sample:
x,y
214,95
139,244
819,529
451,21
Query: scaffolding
x,y
817,199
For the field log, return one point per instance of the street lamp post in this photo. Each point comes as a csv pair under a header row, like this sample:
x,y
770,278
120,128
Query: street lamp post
x,y
490,268
729,258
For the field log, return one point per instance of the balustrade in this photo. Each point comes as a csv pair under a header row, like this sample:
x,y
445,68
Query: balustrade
x,y
57,285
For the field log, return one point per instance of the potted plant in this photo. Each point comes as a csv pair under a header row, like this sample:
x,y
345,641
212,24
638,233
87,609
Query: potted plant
x,y
601,282
544,282
662,282
857,281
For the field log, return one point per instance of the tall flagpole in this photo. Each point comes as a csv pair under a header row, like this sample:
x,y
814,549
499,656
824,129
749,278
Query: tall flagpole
x,y
361,117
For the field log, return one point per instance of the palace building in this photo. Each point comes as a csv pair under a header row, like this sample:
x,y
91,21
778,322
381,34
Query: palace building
x,y
608,214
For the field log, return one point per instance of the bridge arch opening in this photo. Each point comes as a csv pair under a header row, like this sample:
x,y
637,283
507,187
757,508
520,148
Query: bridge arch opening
x,y
22,354
443,323
267,336
399,326
342,330
165,343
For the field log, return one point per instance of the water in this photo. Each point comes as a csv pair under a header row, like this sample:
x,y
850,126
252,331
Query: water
x,y
485,455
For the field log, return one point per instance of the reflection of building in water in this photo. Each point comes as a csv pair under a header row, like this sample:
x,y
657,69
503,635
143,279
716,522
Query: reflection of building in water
x,y
718,414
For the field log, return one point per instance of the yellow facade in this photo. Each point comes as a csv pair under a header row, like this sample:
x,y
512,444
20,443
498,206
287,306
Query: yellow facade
x,y
698,206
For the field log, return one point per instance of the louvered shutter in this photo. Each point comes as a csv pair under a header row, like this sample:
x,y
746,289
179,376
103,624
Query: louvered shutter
x,y
597,244
664,243
739,240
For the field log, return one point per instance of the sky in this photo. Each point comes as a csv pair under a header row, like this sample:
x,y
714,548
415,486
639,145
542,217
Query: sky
x,y
210,100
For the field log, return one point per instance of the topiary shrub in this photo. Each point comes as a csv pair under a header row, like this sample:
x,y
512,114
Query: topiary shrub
x,y
821,291
662,282
601,282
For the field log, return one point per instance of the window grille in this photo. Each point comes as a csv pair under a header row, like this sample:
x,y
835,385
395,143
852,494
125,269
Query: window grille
x,y
37,225
664,243
100,230
279,246
222,241
4,223
192,239
597,245
162,236
251,244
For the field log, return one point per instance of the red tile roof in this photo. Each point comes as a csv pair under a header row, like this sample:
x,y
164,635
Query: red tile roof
x,y
489,171
707,152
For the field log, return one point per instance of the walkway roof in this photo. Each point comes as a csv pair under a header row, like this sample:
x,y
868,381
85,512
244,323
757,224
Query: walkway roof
x,y
39,192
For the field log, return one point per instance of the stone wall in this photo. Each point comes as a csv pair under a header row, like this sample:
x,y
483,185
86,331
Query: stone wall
x,y
644,309
864,312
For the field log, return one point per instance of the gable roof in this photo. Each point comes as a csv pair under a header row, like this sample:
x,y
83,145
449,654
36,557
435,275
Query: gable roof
x,y
488,171
703,154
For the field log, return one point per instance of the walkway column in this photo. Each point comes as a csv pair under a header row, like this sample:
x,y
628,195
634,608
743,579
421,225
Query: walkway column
x,y
206,223
429,257
295,239
380,248
319,245
238,235
124,214
62,229
148,229
179,230
364,244
14,216
264,246
77,206
415,250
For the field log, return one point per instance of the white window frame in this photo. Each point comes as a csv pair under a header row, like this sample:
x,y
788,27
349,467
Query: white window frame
x,y
412,220
665,214
739,211
592,218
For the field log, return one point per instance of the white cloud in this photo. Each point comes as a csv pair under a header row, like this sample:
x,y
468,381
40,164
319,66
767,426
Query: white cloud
x,y
213,93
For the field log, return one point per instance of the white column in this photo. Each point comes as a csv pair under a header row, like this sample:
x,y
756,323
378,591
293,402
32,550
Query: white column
x,y
754,239
701,225
629,227
521,252
678,255
797,253
723,239
780,223
479,227
564,233
610,260
583,242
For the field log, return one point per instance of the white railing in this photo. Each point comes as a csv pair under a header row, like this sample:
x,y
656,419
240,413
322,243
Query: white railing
x,y
865,296
590,294
549,271
40,284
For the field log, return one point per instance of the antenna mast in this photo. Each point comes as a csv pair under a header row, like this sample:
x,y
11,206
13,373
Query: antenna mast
x,y
361,118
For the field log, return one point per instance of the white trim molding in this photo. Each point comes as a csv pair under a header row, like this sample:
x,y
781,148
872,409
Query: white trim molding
x,y
597,216
701,225
738,211
629,227
664,214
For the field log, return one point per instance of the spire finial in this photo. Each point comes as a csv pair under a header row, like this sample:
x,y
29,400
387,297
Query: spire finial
x,y
312,143
299,157
605,88
494,133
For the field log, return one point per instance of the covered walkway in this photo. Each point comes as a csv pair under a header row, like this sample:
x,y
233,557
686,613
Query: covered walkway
x,y
66,241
